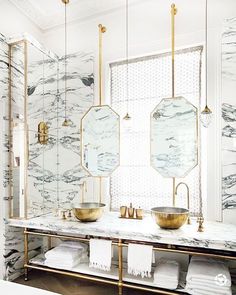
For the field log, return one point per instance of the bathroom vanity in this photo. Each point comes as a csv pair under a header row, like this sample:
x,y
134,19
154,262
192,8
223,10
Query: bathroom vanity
x,y
217,241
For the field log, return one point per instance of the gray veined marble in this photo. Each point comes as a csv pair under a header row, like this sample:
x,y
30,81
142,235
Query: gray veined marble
x,y
228,116
216,235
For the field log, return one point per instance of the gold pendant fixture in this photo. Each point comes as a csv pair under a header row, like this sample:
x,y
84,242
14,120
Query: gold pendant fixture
x,y
127,116
206,114
66,121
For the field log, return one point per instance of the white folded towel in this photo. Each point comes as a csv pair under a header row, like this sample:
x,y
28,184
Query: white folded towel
x,y
76,245
166,274
140,260
64,253
65,264
219,290
100,254
207,270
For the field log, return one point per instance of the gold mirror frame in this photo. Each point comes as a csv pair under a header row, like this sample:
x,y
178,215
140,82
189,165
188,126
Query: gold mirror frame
x,y
185,173
82,141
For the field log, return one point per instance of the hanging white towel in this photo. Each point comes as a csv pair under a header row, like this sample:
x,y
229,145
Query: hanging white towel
x,y
140,260
100,254
166,274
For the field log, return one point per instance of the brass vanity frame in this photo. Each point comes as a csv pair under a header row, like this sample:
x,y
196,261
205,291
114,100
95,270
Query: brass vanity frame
x,y
120,243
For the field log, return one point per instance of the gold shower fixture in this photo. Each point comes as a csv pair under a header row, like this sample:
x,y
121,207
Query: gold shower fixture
x,y
42,133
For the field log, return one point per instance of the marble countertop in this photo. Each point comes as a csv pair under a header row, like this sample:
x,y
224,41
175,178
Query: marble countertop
x,y
216,235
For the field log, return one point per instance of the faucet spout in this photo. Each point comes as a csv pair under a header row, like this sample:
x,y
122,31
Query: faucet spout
x,y
188,202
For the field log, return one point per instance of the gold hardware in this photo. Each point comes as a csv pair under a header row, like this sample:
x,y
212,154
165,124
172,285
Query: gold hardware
x,y
123,211
63,212
131,211
26,253
69,215
119,283
127,116
42,133
188,203
139,213
66,121
173,13
120,261
200,221
206,114
102,30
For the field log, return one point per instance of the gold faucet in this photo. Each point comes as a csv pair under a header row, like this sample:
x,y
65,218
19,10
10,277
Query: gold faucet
x,y
189,222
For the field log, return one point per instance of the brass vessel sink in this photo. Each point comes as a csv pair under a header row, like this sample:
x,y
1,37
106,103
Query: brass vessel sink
x,y
170,217
87,212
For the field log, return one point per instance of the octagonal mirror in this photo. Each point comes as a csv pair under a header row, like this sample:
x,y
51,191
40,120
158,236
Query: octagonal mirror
x,y
100,141
174,137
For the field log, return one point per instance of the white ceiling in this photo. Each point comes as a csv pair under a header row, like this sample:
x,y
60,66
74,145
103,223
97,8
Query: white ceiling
x,y
48,14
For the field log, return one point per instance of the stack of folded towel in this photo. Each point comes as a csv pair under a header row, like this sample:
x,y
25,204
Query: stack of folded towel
x,y
166,274
67,255
207,276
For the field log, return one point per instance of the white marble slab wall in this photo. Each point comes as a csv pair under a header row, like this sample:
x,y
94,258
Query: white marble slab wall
x,y
13,237
229,120
42,106
80,97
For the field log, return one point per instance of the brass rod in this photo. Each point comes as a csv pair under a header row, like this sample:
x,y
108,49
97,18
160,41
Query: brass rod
x,y
26,134
120,259
102,30
74,274
126,245
10,192
26,251
173,13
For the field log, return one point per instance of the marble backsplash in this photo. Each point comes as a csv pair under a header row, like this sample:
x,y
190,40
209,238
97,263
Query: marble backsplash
x,y
229,118
54,172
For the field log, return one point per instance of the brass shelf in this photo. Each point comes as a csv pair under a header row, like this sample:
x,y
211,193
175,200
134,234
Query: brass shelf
x,y
120,282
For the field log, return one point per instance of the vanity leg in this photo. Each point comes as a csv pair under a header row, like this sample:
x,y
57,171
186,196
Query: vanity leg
x,y
26,258
120,254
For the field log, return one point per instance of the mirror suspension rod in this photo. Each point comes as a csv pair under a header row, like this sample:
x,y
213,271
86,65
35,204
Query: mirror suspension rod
x,y
102,30
173,13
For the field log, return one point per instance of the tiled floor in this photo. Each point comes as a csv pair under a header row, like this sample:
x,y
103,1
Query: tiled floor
x,y
71,286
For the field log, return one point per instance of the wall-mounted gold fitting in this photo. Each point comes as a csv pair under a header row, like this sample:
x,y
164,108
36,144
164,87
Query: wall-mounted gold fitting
x,y
102,28
65,1
42,133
